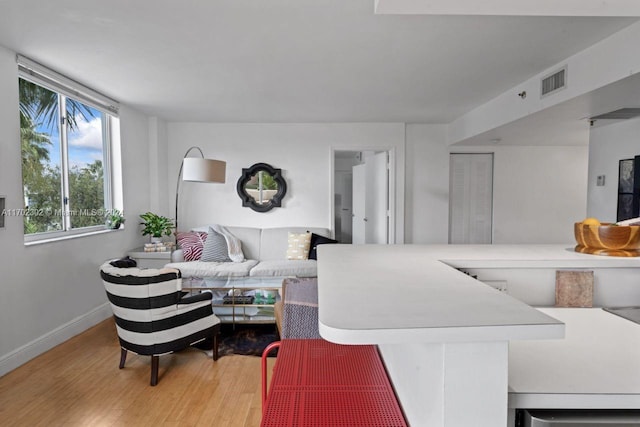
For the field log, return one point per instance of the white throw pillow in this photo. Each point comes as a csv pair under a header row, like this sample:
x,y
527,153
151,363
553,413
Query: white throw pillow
x,y
298,246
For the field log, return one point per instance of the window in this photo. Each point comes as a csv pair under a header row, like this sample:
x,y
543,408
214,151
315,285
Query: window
x,y
66,144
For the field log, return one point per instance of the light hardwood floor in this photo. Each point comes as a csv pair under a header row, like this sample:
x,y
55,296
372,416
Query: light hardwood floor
x,y
78,383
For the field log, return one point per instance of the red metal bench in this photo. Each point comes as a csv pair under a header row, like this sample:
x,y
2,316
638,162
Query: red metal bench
x,y
318,383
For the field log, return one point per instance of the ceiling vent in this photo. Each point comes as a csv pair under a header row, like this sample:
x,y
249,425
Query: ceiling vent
x,y
554,82
621,114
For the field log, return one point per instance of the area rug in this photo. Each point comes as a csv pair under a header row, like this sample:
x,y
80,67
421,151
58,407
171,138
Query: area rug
x,y
246,340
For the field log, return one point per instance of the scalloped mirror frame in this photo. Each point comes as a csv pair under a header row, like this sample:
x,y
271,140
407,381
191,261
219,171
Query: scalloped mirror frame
x,y
250,202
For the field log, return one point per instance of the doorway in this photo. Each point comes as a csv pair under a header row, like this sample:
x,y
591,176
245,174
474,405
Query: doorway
x,y
362,202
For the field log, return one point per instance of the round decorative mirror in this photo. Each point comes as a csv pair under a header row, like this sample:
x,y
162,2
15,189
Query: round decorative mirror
x,y
261,187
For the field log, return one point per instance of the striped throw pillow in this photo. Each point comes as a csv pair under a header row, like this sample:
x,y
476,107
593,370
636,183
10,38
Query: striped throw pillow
x,y
298,248
191,244
215,248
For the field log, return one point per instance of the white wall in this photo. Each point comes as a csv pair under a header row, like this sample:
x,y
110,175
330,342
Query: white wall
x,y
158,176
533,187
539,192
427,184
53,291
302,151
607,146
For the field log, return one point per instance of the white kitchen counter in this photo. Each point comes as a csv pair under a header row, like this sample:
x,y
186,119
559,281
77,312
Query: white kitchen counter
x,y
379,294
597,365
443,335
523,256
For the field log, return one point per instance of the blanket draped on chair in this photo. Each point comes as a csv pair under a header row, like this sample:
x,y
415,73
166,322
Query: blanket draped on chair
x,y
301,309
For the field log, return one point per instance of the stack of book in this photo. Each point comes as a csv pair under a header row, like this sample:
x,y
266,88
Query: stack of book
x,y
159,247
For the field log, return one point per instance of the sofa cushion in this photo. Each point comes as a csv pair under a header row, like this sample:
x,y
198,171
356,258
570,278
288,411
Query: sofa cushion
x,y
213,269
274,241
283,267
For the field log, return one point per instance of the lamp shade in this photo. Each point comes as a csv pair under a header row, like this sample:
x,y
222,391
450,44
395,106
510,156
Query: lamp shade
x,y
203,170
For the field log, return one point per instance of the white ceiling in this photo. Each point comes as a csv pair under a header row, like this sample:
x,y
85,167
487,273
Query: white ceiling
x,y
511,7
291,60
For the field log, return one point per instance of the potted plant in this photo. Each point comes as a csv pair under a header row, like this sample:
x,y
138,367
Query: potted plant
x,y
156,226
114,219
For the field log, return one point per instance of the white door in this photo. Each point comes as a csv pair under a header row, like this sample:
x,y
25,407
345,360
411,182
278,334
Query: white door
x,y
371,200
358,208
377,199
470,198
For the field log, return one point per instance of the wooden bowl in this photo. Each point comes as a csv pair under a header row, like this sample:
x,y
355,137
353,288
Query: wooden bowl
x,y
607,239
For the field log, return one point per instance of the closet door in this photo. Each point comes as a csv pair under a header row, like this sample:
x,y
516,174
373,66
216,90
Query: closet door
x,y
470,198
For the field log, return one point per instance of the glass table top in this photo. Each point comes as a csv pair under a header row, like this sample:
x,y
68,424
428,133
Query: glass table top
x,y
193,283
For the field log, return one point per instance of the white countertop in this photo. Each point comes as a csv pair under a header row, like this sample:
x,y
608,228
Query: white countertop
x,y
379,294
524,256
597,365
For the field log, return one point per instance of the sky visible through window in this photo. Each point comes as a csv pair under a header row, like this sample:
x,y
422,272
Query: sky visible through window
x,y
85,140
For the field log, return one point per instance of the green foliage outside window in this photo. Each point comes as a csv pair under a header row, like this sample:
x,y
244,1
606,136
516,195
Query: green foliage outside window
x,y
86,188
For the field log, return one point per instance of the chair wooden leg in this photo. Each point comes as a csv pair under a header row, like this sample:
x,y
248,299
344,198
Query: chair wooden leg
x,y
155,362
215,345
123,357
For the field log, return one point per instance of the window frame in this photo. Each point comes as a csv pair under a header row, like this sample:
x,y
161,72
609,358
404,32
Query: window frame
x,y
66,88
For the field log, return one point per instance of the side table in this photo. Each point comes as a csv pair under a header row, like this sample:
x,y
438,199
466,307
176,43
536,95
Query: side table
x,y
150,259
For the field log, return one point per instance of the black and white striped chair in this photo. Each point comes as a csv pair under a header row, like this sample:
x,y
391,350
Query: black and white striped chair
x,y
153,317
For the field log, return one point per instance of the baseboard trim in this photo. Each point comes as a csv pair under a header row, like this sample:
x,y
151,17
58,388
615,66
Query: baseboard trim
x,y
46,342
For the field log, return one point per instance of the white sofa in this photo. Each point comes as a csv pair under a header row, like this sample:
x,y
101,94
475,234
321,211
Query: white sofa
x,y
265,252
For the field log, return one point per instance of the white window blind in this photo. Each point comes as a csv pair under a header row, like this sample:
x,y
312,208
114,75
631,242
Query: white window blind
x,y
56,82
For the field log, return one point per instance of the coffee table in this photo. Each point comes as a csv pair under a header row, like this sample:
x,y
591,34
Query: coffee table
x,y
264,290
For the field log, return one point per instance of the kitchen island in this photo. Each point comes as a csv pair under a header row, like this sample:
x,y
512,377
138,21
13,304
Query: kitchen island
x,y
443,335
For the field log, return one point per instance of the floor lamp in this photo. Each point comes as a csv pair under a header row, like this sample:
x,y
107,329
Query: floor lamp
x,y
199,169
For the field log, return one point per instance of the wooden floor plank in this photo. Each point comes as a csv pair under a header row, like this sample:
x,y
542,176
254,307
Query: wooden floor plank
x,y
78,383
